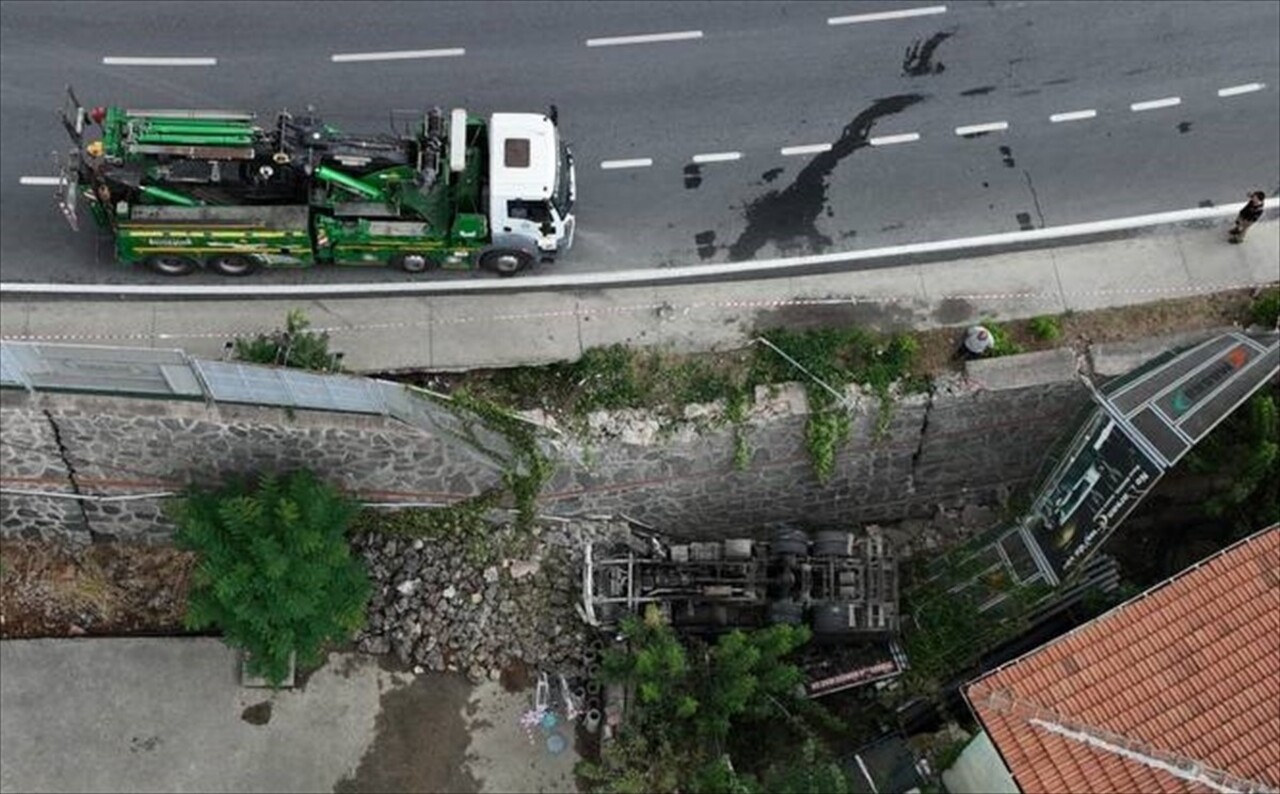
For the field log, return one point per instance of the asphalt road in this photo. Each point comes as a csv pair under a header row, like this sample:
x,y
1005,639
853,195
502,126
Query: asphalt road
x,y
762,76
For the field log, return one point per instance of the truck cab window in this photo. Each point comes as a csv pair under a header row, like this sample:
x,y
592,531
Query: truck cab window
x,y
538,212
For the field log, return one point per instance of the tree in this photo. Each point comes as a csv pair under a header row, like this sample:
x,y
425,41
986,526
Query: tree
x,y
688,702
274,570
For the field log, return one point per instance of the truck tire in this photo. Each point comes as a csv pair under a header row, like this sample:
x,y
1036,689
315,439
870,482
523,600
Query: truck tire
x,y
505,261
788,540
232,264
789,613
172,264
414,262
831,542
831,619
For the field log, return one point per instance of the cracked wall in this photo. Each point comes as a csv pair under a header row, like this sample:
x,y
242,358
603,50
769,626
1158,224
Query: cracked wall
x,y
945,450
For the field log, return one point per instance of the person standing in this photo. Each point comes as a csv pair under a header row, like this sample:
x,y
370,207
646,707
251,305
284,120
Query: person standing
x,y
1249,215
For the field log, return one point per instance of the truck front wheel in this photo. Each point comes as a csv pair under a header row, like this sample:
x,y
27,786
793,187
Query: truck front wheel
x,y
172,264
505,262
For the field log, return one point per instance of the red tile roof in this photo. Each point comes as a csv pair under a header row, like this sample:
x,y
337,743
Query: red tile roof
x,y
1189,671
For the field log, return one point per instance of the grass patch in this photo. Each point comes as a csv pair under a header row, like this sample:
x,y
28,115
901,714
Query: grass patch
x,y
1264,310
1002,342
1045,328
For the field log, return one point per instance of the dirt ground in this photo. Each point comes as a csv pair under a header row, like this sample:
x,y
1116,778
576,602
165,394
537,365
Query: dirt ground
x,y
50,590
54,590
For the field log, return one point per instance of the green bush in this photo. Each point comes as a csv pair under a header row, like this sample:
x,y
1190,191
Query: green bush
x,y
1001,343
274,570
295,346
1265,309
1045,328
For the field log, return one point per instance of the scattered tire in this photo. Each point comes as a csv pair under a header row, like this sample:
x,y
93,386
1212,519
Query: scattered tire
x,y
831,542
831,618
172,264
788,540
232,264
789,613
505,262
414,263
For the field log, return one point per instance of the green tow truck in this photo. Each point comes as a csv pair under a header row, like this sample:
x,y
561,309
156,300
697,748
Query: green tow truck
x,y
184,189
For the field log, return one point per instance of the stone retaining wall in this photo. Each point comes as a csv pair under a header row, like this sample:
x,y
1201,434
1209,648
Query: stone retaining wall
x,y
948,449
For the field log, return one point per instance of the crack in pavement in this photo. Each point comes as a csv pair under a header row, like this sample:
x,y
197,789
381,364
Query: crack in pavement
x,y
783,216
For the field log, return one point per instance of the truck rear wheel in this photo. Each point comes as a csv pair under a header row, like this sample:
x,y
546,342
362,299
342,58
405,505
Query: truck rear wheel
x,y
172,264
831,542
413,263
232,264
788,540
505,262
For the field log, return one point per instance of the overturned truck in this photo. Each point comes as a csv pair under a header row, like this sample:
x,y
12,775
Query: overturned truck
x,y
843,585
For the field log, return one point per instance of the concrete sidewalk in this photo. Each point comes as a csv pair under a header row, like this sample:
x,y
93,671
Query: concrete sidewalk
x,y
169,714
466,331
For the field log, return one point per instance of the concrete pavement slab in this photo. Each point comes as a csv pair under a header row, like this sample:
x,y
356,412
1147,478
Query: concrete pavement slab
x,y
1123,272
170,715
1004,286
1212,261
1028,369
522,328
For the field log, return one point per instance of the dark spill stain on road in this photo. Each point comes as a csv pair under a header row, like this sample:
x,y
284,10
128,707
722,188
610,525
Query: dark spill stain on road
x,y
973,135
1059,81
1205,203
919,58
706,244
771,174
788,217
692,176
258,713
979,91
1184,127
1024,221
1007,154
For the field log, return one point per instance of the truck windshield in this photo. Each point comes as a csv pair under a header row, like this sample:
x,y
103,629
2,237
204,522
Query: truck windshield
x,y
560,196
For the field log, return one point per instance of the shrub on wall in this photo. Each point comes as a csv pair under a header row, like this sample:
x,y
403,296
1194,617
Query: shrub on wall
x,y
274,570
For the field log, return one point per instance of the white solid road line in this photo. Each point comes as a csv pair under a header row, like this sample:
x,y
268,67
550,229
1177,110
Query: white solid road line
x,y
717,157
974,129
812,148
1247,88
122,61
40,180
639,162
638,275
649,38
397,55
1167,102
888,140
1075,115
882,15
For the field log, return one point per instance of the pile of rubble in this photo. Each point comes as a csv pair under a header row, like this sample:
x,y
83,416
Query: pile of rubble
x,y
456,604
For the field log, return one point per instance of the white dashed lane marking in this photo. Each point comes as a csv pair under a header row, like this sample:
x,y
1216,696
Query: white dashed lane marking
x,y
127,61
717,157
648,38
889,140
1167,102
1236,90
812,148
639,162
879,16
1075,115
40,180
397,55
974,129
